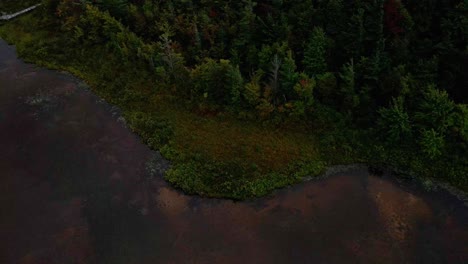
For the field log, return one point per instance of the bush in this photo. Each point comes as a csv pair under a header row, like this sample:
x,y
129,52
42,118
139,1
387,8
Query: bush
x,y
218,82
252,92
211,178
155,131
304,89
85,25
395,122
432,143
435,111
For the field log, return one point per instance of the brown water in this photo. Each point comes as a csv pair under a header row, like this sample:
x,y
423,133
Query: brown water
x,y
78,187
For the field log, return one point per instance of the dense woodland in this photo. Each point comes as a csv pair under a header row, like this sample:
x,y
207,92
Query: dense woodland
x,y
387,77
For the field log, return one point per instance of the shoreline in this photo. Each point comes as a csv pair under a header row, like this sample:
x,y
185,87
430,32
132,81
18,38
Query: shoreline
x,y
397,174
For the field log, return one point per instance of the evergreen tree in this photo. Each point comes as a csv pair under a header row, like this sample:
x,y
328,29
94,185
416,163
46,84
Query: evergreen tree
x,y
353,35
347,87
315,53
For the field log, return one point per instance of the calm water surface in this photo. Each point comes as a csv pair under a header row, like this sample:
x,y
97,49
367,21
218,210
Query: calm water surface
x,y
76,186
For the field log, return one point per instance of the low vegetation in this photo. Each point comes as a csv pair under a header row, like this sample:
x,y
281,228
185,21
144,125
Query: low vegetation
x,y
240,106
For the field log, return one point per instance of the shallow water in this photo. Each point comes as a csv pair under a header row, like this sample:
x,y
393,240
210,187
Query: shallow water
x,y
78,187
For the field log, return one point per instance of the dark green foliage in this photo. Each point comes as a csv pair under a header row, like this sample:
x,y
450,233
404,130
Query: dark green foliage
x,y
461,122
327,88
229,179
172,71
315,53
252,92
354,34
115,7
218,82
304,89
432,143
154,130
395,122
380,36
328,69
435,111
348,87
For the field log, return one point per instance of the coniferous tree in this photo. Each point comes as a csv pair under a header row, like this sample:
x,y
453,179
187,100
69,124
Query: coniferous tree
x,y
315,53
347,87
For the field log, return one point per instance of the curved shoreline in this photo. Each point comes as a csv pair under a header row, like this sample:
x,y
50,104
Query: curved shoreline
x,y
396,173
331,170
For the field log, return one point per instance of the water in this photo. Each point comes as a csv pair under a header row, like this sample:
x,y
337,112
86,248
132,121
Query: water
x,y
76,188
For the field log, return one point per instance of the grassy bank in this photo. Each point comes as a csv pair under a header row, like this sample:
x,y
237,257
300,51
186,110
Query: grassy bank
x,y
215,153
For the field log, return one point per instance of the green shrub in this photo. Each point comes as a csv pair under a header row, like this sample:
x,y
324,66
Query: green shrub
x,y
252,92
395,122
186,177
219,82
435,111
155,131
210,178
432,143
304,89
